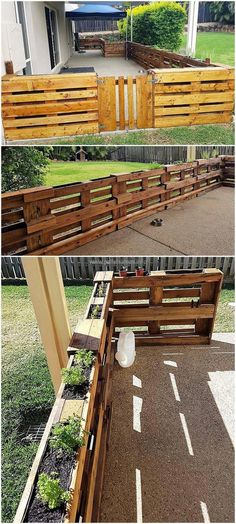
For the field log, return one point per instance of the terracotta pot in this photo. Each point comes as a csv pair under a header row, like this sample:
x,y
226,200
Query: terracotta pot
x,y
123,272
139,272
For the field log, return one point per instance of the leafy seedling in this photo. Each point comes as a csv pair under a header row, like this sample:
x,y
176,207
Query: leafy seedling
x,y
50,491
67,436
95,312
84,358
74,376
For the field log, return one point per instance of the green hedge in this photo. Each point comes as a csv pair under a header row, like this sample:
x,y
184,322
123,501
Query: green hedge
x,y
160,24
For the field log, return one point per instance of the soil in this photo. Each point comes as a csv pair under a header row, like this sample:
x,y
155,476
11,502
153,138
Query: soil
x,y
77,392
63,465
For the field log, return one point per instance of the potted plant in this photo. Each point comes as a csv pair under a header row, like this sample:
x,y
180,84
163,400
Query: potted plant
x,y
139,271
123,271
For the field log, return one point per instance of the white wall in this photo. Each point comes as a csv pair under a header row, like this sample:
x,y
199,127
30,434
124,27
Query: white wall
x,y
37,32
8,15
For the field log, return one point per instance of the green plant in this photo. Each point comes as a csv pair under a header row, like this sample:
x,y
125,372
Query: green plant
x,y
159,24
74,376
67,436
209,154
223,12
95,312
84,358
50,491
101,290
23,167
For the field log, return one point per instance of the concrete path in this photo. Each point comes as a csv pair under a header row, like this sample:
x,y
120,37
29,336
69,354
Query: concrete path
x,y
202,226
171,457
108,66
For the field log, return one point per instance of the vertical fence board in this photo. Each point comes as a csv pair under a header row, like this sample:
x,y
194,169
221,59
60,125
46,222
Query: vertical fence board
x,y
130,91
144,99
107,103
121,89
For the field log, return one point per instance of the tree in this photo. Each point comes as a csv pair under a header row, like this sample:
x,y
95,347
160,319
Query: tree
x,y
97,153
223,12
23,167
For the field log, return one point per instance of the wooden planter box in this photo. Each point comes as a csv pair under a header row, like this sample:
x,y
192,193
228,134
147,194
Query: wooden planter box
x,y
95,408
113,48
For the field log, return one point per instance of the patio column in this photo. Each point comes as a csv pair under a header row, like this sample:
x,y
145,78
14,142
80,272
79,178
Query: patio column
x,y
47,294
192,27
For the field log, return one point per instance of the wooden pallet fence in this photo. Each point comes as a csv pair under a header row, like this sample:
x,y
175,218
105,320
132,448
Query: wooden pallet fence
x,y
175,91
193,96
94,408
52,220
151,58
45,106
168,307
228,171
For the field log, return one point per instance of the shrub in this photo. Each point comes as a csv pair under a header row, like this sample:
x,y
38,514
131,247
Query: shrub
x,y
22,167
50,491
159,24
67,436
74,376
84,358
223,12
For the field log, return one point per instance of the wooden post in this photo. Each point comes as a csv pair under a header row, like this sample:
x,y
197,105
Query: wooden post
x,y
156,296
38,216
191,153
9,68
48,298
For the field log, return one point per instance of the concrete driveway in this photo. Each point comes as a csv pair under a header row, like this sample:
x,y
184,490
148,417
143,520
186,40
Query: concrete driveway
x,y
201,226
171,456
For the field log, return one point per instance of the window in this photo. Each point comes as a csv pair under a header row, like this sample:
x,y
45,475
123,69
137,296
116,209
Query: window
x,y
21,19
52,32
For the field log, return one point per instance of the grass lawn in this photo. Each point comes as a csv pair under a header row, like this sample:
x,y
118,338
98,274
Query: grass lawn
x,y
205,135
67,172
219,47
27,392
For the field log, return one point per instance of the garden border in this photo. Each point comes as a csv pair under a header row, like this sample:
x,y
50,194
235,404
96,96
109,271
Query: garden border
x,y
52,220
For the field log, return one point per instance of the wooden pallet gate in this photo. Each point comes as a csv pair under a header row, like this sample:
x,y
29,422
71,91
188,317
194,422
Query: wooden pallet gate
x,y
53,220
175,91
163,302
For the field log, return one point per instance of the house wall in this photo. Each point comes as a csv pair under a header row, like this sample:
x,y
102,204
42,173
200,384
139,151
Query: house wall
x,y
37,33
8,15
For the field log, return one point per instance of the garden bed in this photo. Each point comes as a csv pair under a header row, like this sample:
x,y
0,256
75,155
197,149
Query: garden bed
x,y
88,403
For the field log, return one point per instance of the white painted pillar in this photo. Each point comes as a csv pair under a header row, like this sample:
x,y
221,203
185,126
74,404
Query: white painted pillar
x,y
192,27
131,23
